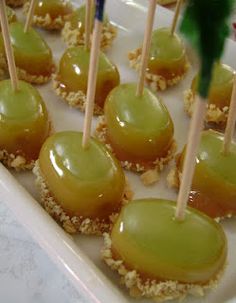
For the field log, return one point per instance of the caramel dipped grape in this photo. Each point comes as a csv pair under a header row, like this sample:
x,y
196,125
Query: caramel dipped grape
x,y
73,32
221,85
214,184
72,77
219,95
51,14
33,56
149,240
167,63
24,120
87,183
167,55
139,129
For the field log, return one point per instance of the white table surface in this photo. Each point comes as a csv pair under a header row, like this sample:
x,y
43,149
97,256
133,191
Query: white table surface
x,y
27,275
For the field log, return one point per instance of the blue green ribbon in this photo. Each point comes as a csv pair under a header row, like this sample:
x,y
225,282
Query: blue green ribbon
x,y
205,25
99,10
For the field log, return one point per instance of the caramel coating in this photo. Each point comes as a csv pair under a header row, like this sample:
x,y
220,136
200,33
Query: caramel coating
x,y
87,183
214,183
139,129
24,123
73,73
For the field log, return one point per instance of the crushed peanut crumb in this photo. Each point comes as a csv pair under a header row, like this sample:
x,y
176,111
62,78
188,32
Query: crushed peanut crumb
x,y
149,175
173,178
23,74
214,114
156,82
47,22
34,79
158,291
73,224
74,99
17,162
75,37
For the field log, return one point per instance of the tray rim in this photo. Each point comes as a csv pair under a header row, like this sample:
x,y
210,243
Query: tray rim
x,y
59,245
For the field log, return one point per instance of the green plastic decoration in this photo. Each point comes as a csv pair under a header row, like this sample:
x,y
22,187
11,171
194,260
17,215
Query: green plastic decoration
x,y
205,25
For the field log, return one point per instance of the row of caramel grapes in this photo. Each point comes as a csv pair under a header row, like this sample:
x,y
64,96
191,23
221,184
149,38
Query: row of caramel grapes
x,y
85,189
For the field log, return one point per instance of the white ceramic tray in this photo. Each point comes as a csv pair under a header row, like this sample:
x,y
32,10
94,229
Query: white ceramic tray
x,y
79,257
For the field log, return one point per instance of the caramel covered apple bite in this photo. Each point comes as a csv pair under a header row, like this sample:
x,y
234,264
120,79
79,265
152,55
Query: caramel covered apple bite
x,y
139,131
33,56
219,95
24,124
73,32
167,62
50,14
213,188
71,80
160,257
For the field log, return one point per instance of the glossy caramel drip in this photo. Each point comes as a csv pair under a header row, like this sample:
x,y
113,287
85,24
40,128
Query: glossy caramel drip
x,y
204,203
214,183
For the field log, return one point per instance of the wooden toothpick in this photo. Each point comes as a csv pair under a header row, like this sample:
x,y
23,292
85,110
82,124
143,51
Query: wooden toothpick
x,y
176,16
146,46
194,138
229,130
88,22
8,46
93,70
30,15
208,55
